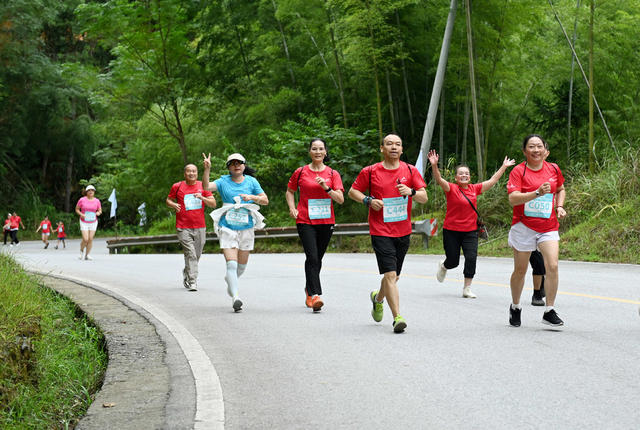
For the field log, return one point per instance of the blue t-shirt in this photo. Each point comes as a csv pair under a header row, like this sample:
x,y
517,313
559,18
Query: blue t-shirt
x,y
237,219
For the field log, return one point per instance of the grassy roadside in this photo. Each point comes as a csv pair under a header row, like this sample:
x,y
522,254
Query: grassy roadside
x,y
52,359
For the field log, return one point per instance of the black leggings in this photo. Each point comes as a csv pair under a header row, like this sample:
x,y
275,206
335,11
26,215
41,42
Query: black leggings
x,y
468,241
6,233
14,237
315,239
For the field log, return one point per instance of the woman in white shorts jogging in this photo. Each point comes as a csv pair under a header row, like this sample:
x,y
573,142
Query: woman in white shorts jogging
x,y
537,194
237,219
88,209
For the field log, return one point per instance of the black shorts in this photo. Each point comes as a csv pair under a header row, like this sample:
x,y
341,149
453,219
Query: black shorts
x,y
390,252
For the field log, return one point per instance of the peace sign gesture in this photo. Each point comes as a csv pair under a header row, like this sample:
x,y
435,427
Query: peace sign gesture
x,y
206,161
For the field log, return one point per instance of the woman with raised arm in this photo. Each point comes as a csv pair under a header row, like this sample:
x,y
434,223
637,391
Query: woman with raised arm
x,y
536,193
319,187
460,227
238,217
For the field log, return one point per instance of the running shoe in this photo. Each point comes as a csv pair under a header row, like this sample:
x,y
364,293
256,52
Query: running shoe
x,y
81,257
467,294
442,272
88,257
514,316
55,247
551,318
192,287
309,300
536,298
378,310
237,304
399,324
46,246
317,304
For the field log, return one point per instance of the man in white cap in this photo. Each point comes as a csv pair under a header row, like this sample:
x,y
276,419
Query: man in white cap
x,y
187,198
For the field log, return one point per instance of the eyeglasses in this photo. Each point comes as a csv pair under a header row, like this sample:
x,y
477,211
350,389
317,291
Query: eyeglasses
x,y
235,163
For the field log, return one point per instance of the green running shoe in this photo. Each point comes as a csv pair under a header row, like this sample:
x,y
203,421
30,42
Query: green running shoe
x,y
399,324
378,309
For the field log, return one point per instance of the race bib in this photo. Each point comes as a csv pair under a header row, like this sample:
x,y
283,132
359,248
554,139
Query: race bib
x,y
60,230
89,216
237,217
45,227
540,207
192,203
319,208
395,209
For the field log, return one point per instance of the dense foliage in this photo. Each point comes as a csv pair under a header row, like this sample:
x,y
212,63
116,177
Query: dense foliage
x,y
122,93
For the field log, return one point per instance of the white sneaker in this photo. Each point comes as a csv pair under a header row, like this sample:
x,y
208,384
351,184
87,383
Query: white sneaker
x,y
81,257
193,287
442,272
88,257
467,294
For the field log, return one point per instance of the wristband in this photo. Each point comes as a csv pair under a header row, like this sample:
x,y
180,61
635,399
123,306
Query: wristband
x,y
558,207
537,193
328,190
413,192
367,200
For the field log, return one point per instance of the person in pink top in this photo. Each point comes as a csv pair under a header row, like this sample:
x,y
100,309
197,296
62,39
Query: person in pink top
x,y
460,228
6,228
45,226
319,187
537,194
88,209
392,186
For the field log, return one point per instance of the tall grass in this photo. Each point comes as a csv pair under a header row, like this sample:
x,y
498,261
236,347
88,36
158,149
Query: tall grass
x,y
51,357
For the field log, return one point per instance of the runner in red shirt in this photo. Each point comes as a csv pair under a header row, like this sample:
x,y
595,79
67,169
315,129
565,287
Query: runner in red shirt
x,y
6,228
536,192
15,224
61,235
319,187
45,225
392,185
460,228
187,198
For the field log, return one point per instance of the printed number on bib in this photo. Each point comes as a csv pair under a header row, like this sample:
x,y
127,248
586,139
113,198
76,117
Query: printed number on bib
x,y
89,216
395,209
540,207
319,208
237,217
192,203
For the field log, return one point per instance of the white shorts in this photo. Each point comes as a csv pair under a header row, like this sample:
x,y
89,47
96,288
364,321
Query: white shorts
x,y
240,239
88,226
46,234
523,239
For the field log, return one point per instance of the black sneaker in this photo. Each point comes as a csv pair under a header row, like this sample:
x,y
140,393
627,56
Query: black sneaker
x,y
514,316
536,298
551,318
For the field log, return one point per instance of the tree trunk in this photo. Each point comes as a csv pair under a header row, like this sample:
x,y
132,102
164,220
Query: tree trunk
x,y
592,166
375,74
391,106
67,185
284,45
45,165
425,145
474,104
336,57
405,81
179,132
465,128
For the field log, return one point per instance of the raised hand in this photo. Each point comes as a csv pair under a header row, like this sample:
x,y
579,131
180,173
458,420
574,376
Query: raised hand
x,y
433,157
508,162
206,160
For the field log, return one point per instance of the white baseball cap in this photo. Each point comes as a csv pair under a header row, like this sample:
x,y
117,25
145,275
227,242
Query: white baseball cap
x,y
235,156
89,187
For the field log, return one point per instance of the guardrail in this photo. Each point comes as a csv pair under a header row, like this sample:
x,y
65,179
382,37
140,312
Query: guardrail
x,y
427,228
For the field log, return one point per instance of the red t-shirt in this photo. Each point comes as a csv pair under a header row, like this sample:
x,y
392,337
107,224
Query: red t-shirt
x,y
45,226
313,196
460,215
394,219
191,214
60,230
538,214
15,222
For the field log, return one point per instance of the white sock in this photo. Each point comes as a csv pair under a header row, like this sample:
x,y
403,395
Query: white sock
x,y
241,269
232,278
547,309
514,306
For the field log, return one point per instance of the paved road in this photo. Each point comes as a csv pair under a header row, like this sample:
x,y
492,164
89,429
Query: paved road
x,y
458,365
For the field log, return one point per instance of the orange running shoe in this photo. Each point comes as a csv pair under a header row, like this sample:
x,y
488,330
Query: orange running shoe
x,y
317,304
309,300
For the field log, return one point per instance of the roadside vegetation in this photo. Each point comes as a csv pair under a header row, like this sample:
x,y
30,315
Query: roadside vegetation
x,y
52,358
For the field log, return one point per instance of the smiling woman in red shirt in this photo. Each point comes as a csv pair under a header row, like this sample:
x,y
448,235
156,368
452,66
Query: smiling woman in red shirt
x,y
460,228
319,187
